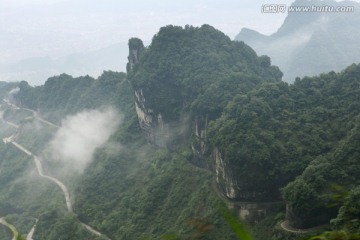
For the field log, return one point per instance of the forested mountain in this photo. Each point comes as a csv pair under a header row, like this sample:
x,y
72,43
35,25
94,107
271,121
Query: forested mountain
x,y
135,184
199,122
310,43
62,95
191,71
191,87
277,131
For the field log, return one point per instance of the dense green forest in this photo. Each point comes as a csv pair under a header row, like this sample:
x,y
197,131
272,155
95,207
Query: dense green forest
x,y
271,134
129,184
196,68
311,128
233,132
63,95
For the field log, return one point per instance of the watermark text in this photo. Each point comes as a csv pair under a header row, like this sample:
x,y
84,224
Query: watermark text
x,y
282,8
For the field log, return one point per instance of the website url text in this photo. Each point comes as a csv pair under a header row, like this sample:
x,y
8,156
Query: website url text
x,y
282,8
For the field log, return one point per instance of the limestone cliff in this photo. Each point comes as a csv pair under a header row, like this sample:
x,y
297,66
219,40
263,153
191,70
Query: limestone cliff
x,y
224,176
150,122
231,183
183,81
136,48
157,131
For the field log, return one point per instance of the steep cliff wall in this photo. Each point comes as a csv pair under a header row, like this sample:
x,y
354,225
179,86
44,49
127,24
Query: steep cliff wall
x,y
232,183
183,81
199,144
225,177
151,123
158,131
136,48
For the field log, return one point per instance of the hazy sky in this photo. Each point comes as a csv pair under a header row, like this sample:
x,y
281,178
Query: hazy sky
x,y
54,28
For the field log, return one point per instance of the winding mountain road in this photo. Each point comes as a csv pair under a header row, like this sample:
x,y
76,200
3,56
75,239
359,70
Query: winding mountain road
x,y
36,115
40,171
12,124
11,227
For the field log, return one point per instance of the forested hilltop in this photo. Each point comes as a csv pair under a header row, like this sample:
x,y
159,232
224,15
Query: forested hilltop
x,y
204,120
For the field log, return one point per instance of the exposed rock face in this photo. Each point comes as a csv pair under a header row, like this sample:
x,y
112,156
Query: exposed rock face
x,y
136,48
224,177
165,133
178,91
231,184
199,144
151,123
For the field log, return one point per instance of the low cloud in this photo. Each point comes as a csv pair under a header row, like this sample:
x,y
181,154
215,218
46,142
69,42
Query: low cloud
x,y
14,91
74,144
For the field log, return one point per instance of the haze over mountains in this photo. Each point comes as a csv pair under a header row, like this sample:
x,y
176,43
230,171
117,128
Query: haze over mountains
x,y
203,120
37,69
200,130
37,36
308,44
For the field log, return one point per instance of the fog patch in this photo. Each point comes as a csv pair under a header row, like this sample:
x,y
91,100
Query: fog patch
x,y
14,91
74,144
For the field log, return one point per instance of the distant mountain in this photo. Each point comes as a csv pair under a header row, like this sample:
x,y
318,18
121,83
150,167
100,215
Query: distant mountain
x,y
309,43
93,63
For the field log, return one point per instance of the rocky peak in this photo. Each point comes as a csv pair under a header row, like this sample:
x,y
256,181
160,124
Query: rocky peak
x,y
136,48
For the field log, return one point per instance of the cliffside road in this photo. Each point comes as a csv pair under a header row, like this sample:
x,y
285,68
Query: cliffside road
x,y
12,124
40,171
285,226
36,115
11,227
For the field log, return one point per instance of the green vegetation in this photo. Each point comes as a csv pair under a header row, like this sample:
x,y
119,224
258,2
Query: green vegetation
x,y
24,195
197,68
130,184
148,193
63,95
17,116
270,135
339,235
